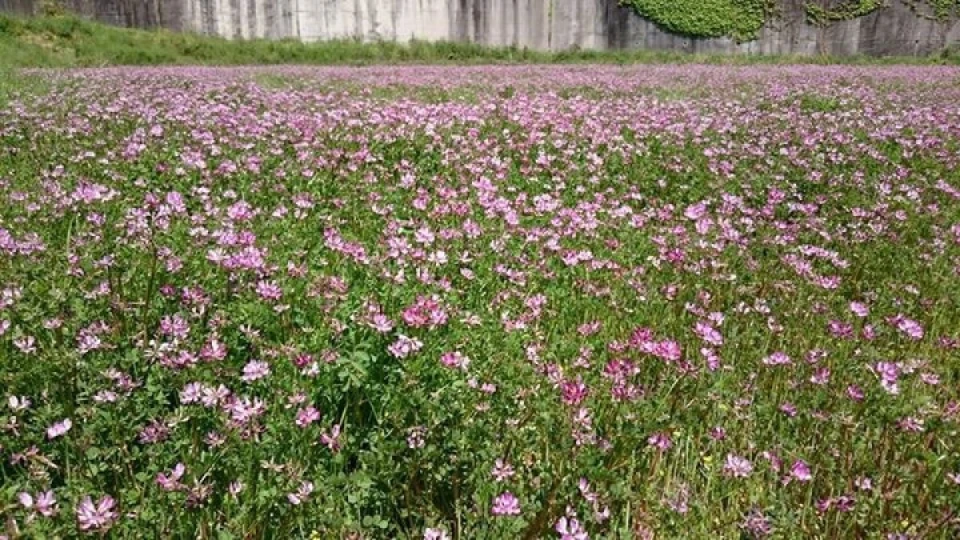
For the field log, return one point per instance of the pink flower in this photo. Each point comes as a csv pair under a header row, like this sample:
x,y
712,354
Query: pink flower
x,y
381,323
695,211
96,517
235,487
301,495
171,482
821,376
713,360
307,416
737,466
708,333
416,437
757,524
840,329
241,211
502,470
435,534
668,350
332,440
404,346
18,403
175,327
26,344
788,409
889,373
244,410
269,290
255,370
859,309
910,327
588,329
679,502
87,342
800,471
455,360
911,424
570,529
660,441
213,350
425,312
46,503
506,504
59,429
573,391
778,358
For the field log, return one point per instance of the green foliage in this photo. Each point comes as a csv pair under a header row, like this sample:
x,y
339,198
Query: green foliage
x,y
944,9
826,12
938,10
811,103
823,13
739,19
52,8
839,157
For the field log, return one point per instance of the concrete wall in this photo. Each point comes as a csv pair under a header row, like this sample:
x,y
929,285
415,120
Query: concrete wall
x,y
538,24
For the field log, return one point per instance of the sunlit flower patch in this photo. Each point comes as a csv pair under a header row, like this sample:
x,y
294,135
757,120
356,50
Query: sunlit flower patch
x,y
488,302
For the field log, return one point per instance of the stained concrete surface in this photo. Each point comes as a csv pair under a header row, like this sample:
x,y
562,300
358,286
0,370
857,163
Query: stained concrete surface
x,y
537,24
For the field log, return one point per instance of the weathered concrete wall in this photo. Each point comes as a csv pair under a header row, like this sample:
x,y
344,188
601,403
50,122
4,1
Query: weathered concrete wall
x,y
17,6
132,13
538,24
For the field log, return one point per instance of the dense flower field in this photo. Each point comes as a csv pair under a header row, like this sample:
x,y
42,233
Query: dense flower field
x,y
497,302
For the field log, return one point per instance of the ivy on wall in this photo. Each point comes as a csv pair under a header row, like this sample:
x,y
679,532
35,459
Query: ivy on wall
x,y
742,19
937,10
826,12
739,19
